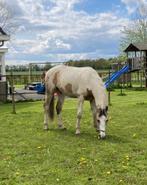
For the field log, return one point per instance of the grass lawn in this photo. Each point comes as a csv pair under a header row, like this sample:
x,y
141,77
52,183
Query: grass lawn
x,y
31,156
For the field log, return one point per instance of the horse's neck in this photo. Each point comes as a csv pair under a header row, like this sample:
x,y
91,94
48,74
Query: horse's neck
x,y
100,96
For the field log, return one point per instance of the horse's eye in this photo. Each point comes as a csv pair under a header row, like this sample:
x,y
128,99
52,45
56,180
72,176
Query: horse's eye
x,y
98,121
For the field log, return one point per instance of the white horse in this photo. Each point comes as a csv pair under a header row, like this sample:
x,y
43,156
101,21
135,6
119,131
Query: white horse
x,y
83,83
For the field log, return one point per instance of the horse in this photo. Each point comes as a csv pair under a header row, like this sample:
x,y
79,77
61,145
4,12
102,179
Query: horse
x,y
83,83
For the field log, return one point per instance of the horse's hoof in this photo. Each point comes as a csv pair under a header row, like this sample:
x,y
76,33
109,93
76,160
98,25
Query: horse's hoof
x,y
45,129
77,133
62,127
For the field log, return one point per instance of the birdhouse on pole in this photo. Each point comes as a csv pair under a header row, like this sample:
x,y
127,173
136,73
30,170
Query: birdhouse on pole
x,y
3,38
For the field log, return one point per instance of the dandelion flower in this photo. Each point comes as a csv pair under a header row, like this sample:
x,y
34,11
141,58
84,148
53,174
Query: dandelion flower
x,y
17,173
108,172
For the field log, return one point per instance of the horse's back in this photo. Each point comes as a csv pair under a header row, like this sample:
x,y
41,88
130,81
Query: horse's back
x,y
73,80
70,70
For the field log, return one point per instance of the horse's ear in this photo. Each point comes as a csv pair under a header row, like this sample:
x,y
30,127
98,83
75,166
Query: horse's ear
x,y
43,76
106,108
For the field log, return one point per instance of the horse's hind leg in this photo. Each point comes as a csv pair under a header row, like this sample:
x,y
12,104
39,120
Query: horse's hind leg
x,y
79,113
46,107
59,109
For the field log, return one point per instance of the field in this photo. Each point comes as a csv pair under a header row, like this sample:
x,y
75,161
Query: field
x,y
31,156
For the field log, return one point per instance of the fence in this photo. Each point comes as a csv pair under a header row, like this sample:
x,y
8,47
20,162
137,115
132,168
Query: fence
x,y
24,79
8,91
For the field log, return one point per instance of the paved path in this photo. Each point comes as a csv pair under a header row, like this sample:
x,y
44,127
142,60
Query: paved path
x,y
22,94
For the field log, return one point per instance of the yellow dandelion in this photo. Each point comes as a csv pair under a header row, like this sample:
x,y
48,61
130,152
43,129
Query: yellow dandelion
x,y
57,180
17,173
39,147
120,180
127,157
108,172
125,167
82,159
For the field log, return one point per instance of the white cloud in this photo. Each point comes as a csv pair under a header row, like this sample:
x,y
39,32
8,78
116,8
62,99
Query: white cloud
x,y
133,5
54,30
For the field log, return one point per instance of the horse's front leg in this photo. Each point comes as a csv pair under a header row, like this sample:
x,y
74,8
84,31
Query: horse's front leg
x,y
79,114
59,109
46,108
93,109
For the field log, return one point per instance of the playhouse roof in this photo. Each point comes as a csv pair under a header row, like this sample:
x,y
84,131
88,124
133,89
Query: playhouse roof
x,y
3,35
136,47
2,32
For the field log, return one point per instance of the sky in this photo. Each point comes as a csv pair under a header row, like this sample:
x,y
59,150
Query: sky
x,y
62,30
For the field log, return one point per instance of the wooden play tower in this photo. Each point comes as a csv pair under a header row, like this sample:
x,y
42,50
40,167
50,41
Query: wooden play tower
x,y
137,58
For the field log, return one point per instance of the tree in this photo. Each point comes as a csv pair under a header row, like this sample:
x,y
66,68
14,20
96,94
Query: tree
x,y
136,31
47,66
7,18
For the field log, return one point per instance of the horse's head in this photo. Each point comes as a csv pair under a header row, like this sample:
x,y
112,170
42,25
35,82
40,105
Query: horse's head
x,y
101,122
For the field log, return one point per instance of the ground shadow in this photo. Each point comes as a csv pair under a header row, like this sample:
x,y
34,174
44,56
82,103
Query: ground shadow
x,y
89,136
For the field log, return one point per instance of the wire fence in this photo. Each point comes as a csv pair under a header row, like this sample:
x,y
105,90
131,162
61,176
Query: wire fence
x,y
13,88
10,91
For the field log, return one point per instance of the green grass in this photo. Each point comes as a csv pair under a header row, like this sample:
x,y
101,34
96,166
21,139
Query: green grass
x,y
31,156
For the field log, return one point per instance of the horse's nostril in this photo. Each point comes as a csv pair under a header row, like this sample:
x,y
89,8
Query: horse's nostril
x,y
102,136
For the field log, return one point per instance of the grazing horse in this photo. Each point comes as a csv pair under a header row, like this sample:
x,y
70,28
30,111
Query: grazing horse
x,y
81,82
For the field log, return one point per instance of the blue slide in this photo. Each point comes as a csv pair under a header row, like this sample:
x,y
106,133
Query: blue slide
x,y
116,75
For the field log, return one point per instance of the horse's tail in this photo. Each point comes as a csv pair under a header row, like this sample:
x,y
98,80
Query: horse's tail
x,y
51,107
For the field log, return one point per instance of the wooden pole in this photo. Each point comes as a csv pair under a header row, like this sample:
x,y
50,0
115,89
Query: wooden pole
x,y
109,92
141,79
146,69
30,73
13,96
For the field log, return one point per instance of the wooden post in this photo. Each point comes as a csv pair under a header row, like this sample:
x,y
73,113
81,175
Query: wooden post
x,y
30,72
141,79
109,92
13,96
121,89
146,69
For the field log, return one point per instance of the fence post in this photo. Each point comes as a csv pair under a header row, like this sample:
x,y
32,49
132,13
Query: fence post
x,y
109,91
13,96
30,72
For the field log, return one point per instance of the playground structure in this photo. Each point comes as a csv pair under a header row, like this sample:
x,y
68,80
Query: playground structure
x,y
136,62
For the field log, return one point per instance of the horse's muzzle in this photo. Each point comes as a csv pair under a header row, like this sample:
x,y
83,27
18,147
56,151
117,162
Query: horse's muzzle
x,y
102,134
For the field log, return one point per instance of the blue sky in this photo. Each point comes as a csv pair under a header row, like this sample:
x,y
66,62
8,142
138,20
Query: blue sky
x,y
95,6
60,30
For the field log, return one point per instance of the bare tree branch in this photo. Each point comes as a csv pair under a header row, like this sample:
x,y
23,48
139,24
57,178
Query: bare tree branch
x,y
6,18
